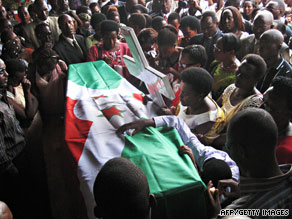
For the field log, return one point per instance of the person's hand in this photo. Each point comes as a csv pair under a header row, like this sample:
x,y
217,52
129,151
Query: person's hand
x,y
183,149
165,111
108,59
214,201
26,85
224,184
136,126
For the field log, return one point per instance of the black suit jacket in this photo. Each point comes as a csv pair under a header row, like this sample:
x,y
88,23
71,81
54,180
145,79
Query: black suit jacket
x,y
69,53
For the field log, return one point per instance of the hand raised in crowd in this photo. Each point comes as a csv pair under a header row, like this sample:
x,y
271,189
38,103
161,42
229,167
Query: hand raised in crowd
x,y
214,201
137,126
232,184
26,84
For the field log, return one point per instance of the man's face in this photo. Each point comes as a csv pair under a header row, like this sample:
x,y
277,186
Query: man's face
x,y
67,26
3,13
42,11
45,35
260,26
165,6
268,49
24,15
3,75
188,32
277,107
209,27
7,26
274,8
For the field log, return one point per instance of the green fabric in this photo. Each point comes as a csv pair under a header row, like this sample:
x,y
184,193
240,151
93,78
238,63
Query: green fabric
x,y
172,178
94,75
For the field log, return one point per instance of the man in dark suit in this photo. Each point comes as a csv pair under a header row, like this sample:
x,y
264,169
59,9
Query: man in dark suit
x,y
71,47
209,36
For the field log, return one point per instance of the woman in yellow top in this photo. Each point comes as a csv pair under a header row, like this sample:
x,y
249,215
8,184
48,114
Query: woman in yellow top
x,y
243,93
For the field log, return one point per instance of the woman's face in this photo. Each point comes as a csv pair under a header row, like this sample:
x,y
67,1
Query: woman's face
x,y
228,21
218,50
109,40
245,76
187,95
247,8
16,79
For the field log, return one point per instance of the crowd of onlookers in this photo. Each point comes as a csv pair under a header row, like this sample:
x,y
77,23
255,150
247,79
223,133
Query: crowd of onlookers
x,y
228,62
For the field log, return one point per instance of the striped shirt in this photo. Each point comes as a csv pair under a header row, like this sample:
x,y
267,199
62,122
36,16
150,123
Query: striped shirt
x,y
11,135
266,193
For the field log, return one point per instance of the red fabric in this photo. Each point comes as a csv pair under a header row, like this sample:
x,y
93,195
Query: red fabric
x,y
284,150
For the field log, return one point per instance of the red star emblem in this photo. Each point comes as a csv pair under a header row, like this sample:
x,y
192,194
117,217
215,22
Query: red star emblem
x,y
112,111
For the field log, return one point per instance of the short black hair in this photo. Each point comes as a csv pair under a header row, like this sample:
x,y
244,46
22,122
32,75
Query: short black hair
x,y
258,62
93,4
109,26
147,35
39,28
139,8
211,14
121,190
172,29
173,16
199,79
253,128
230,42
215,170
190,21
234,3
282,87
166,37
157,23
82,9
14,65
138,19
148,20
5,36
197,53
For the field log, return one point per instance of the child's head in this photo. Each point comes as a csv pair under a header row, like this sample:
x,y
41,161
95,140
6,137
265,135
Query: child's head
x,y
215,170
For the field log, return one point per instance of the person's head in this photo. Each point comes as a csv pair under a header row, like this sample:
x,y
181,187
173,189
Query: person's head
x,y
5,212
174,19
16,70
46,60
3,12
248,7
193,56
148,39
277,8
278,101
41,8
215,170
64,5
139,9
24,15
114,16
209,24
196,84
231,20
190,26
263,21
158,23
172,29
109,33
32,11
270,45
43,33
5,25
8,35
130,4
12,49
96,20
54,4
83,9
251,140
3,75
226,47
234,3
166,42
137,22
121,190
94,8
252,68
279,25
66,25
148,20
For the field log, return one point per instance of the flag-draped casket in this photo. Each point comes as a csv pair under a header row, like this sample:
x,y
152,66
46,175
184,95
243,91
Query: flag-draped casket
x,y
99,101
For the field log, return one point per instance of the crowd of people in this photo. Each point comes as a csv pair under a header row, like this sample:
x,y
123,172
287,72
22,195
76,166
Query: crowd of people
x,y
228,62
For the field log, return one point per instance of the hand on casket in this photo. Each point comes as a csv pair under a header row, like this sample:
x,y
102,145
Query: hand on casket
x,y
136,126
